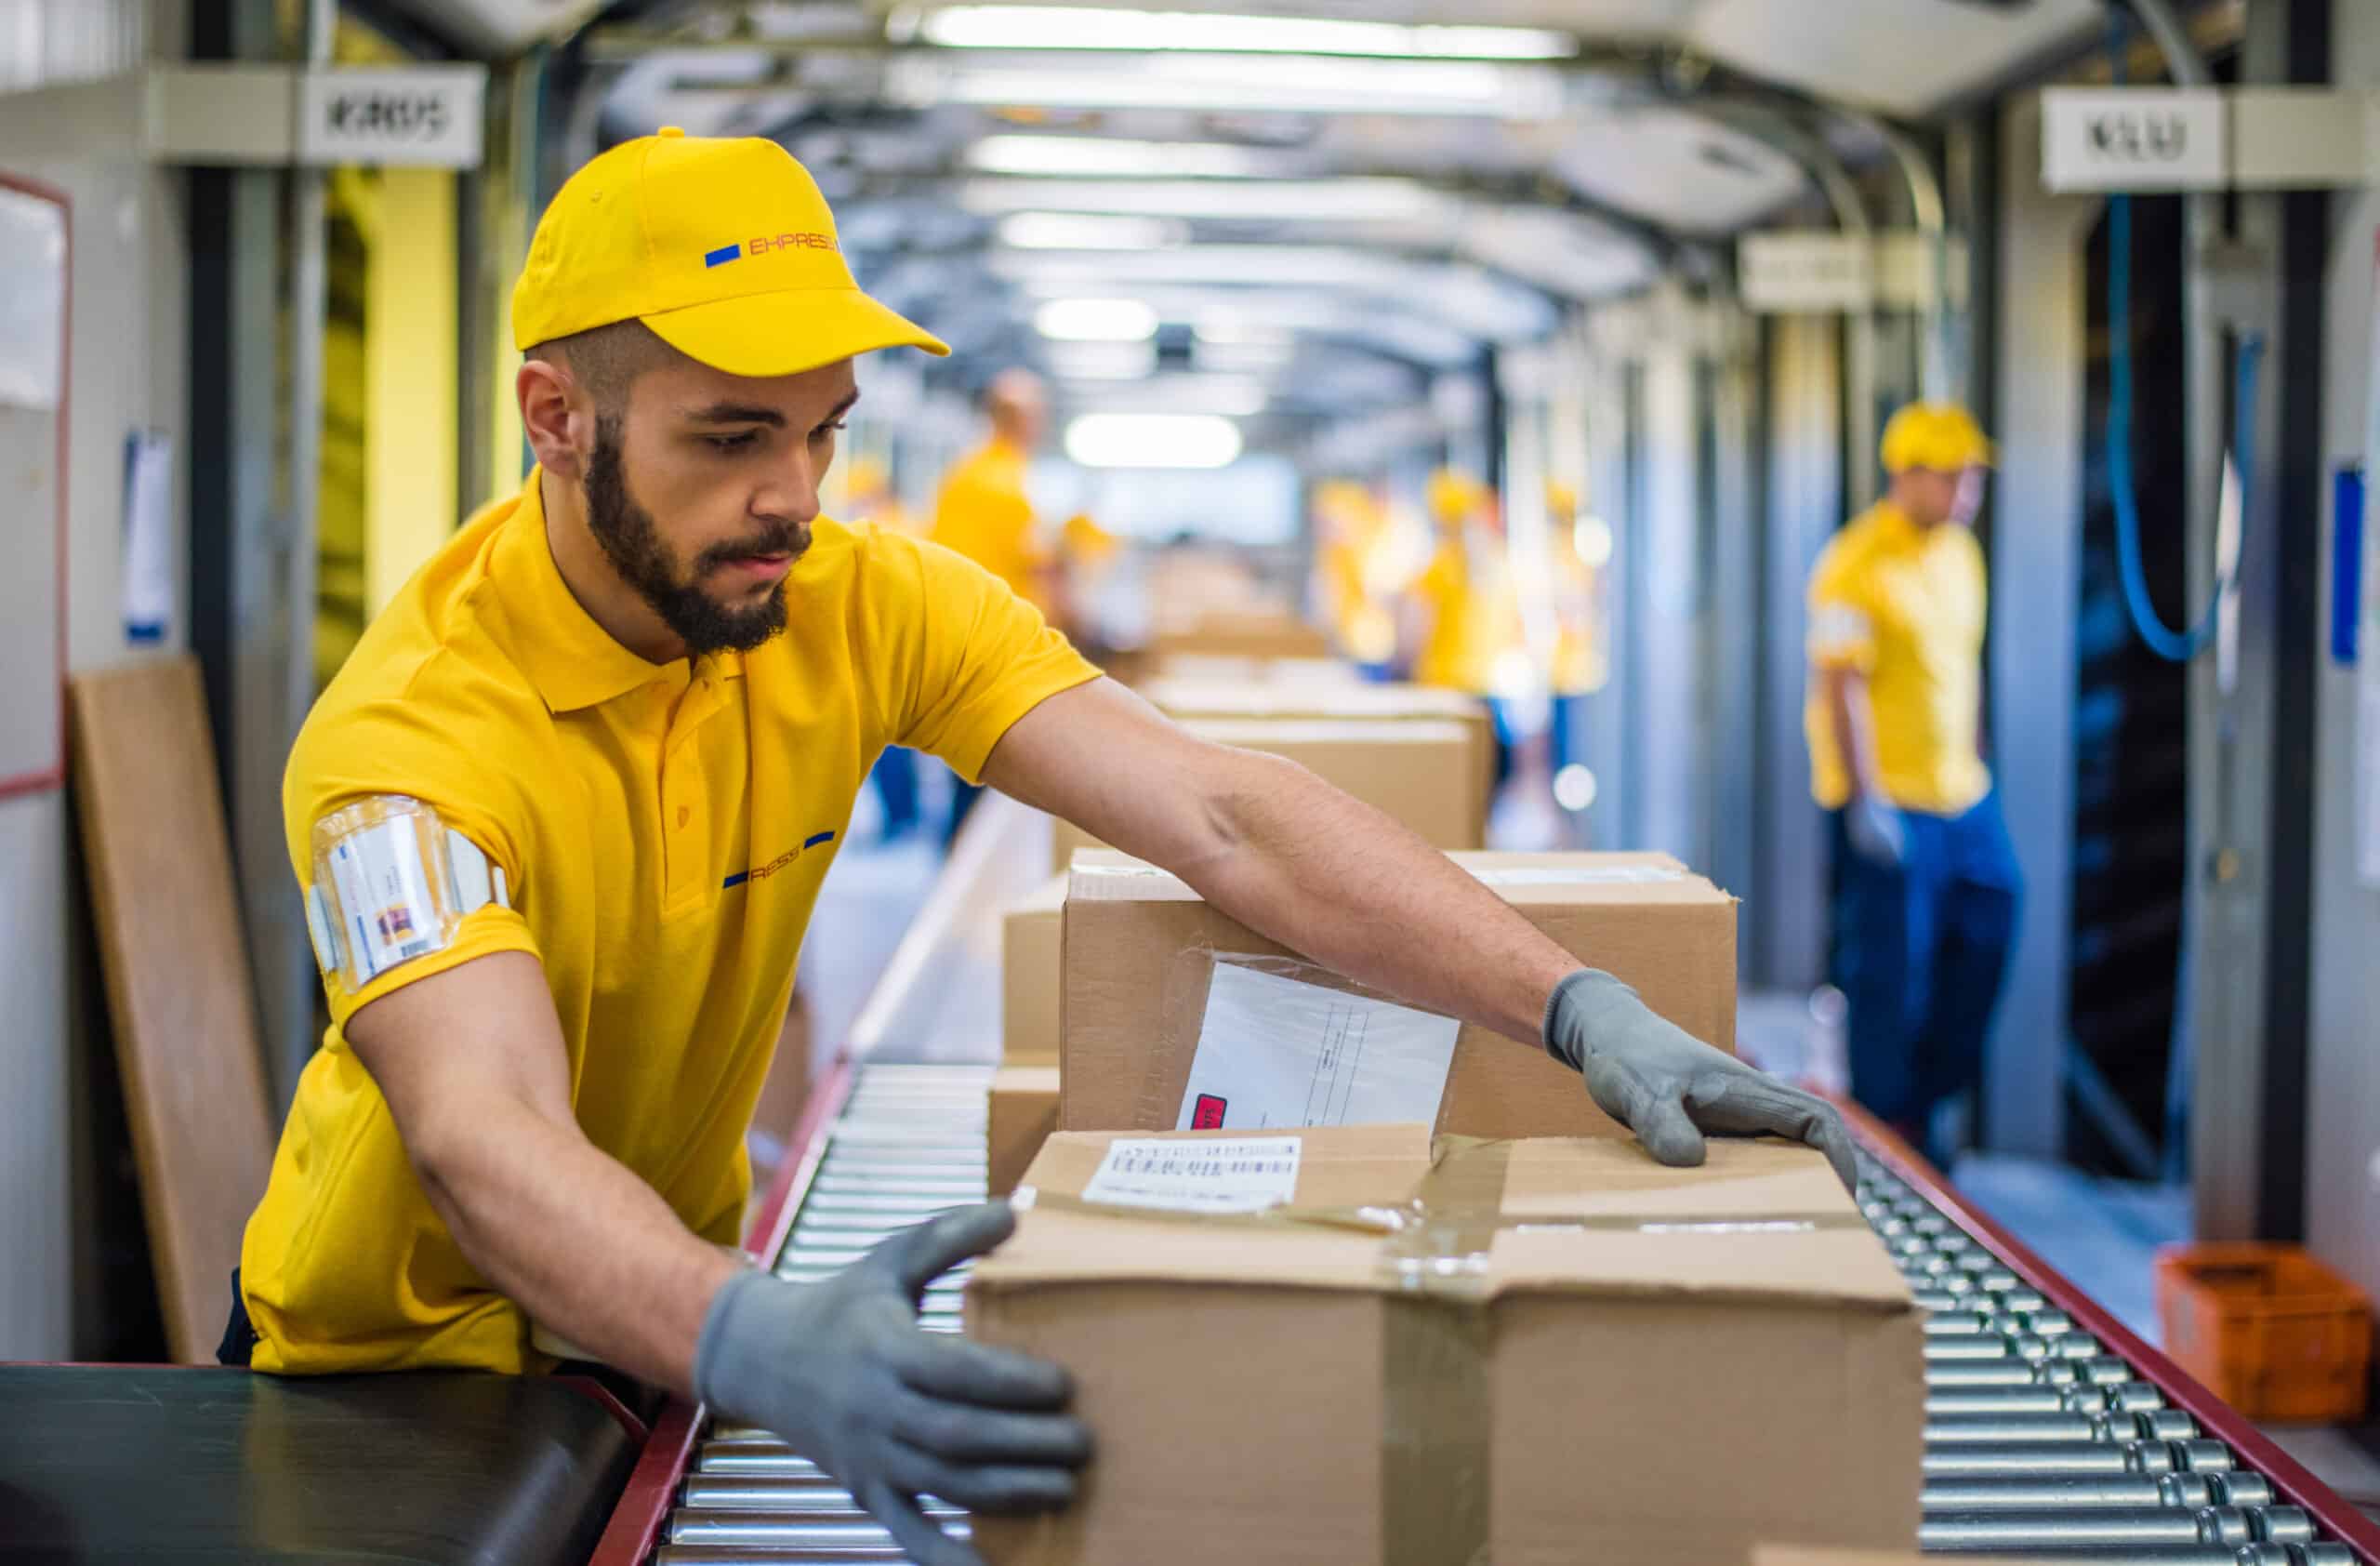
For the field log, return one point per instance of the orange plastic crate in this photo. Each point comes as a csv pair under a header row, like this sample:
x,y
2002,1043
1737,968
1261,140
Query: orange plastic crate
x,y
2268,1329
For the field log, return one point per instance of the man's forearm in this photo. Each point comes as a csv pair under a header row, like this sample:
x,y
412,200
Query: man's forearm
x,y
589,1249
1853,719
1345,884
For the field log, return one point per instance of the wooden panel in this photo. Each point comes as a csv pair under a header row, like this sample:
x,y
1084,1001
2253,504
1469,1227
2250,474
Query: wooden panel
x,y
179,993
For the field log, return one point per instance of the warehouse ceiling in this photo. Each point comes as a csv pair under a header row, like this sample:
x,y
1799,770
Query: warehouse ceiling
x,y
1305,208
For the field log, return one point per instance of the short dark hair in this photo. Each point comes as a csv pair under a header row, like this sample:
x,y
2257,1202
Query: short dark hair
x,y
606,360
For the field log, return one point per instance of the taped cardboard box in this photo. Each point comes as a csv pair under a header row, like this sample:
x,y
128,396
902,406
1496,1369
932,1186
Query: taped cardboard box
x,y
1424,773
1029,976
1159,986
1432,1357
1023,1113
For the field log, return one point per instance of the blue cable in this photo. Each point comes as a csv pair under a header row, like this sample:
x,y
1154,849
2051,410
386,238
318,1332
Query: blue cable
x,y
2176,646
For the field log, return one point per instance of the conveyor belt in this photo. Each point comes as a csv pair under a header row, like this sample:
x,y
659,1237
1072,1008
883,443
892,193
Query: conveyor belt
x,y
2042,1443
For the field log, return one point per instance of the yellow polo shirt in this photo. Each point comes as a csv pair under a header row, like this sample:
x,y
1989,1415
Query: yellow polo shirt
x,y
1905,606
663,829
983,511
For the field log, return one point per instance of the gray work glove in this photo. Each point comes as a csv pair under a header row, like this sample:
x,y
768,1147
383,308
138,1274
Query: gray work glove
x,y
1670,1088
843,1371
1876,830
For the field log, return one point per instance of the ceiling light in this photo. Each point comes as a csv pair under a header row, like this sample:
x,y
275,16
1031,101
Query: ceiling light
x,y
1085,231
1153,440
1238,83
1112,157
1363,198
1069,27
1096,320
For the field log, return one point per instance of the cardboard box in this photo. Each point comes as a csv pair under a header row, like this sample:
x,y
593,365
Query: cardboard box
x,y
1023,1112
1422,772
1282,697
1252,632
1140,949
1029,975
1728,1384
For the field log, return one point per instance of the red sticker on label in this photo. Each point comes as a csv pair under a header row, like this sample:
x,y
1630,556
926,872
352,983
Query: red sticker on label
x,y
1206,1114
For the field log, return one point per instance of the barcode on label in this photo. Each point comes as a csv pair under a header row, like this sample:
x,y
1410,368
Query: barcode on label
x,y
1229,1175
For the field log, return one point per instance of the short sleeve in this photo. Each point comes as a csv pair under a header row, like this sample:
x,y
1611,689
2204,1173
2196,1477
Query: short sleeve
x,y
399,748
966,657
1843,629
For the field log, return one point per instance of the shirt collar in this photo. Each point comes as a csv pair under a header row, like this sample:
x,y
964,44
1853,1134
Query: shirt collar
x,y
574,662
1895,524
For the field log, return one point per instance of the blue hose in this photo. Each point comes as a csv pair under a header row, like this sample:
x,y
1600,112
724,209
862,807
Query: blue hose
x,y
2176,646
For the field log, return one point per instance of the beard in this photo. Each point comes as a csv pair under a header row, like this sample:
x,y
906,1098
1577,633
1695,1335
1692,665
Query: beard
x,y
632,541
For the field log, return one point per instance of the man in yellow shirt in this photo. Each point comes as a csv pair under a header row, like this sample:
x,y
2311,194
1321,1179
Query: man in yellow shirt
x,y
983,511
562,818
1928,885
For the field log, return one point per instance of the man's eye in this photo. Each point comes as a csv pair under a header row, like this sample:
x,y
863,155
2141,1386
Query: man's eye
x,y
827,429
733,442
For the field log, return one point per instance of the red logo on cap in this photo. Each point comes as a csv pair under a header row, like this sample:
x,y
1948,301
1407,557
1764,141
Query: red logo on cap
x,y
805,241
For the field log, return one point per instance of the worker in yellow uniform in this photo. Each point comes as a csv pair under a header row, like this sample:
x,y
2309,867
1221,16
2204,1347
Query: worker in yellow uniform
x,y
1580,547
1472,616
983,511
561,821
1928,885
1353,527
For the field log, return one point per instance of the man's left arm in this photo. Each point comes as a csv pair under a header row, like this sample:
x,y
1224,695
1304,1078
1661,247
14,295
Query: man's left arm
x,y
1295,859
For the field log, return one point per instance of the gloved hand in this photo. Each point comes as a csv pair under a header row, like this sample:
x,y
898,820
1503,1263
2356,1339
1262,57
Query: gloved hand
x,y
841,1370
1877,834
1670,1088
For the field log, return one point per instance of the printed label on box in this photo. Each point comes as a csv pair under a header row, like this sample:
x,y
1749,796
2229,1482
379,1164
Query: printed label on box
x,y
1225,1174
1279,1051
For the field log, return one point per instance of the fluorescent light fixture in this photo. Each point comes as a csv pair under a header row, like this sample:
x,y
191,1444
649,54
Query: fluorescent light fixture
x,y
1243,356
1110,158
1088,231
1357,198
1096,321
1103,361
1153,440
1238,84
1069,27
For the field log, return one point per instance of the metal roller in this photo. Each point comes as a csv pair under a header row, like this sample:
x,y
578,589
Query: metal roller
x,y
2137,1492
2070,1458
776,1529
766,1493
2085,1529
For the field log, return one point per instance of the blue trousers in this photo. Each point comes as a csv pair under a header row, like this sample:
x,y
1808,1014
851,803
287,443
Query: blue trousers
x,y
1920,951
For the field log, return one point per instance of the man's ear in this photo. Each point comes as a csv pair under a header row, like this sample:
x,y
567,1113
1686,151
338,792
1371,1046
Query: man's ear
x,y
554,419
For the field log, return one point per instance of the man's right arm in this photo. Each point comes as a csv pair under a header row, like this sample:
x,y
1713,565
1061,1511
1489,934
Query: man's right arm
x,y
1853,718
472,1064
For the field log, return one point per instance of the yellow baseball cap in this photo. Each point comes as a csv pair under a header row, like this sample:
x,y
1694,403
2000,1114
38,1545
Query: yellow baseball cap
x,y
724,247
1942,437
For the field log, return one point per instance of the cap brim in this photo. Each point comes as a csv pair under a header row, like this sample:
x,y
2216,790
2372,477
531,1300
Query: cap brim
x,y
789,332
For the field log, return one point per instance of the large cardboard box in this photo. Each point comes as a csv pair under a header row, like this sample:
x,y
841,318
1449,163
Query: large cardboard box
x,y
1029,975
1619,1362
1422,772
1024,1110
1140,957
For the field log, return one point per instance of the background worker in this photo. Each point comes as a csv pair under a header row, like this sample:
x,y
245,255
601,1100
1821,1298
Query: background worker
x,y
984,513
1351,529
1926,908
562,820
1469,617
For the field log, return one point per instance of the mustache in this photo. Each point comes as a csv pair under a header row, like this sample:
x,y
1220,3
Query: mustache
x,y
787,539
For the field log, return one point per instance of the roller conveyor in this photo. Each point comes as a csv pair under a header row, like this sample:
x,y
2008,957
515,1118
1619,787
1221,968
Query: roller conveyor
x,y
2042,1444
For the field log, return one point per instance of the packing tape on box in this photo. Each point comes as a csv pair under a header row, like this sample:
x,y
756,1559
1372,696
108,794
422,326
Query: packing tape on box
x,y
1435,1279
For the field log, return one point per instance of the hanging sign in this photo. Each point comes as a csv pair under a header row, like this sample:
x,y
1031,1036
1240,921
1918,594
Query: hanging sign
x,y
2134,138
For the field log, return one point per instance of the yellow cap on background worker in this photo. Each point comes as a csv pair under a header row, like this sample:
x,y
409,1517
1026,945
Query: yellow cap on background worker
x,y
1942,437
724,247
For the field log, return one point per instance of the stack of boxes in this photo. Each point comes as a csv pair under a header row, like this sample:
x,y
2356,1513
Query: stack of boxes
x,y
1489,1329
